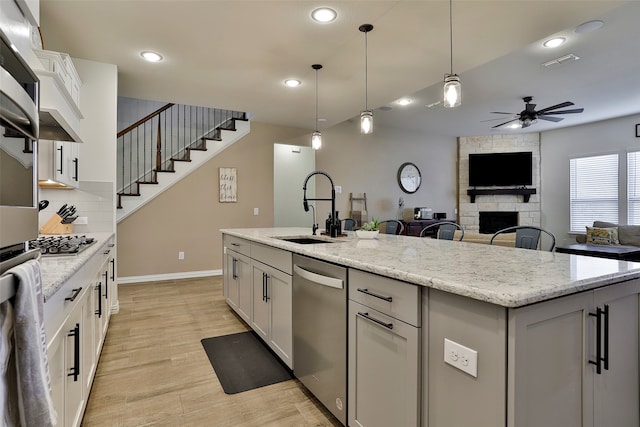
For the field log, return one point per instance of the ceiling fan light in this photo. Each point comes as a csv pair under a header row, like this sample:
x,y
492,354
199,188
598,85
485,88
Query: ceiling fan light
x,y
366,122
316,140
452,91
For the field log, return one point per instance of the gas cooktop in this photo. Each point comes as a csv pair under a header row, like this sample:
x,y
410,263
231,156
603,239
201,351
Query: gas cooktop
x,y
61,245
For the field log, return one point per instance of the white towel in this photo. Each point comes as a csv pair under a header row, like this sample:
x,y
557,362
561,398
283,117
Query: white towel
x,y
33,388
9,413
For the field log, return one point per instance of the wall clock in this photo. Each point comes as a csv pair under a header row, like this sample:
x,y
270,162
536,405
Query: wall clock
x,y
409,177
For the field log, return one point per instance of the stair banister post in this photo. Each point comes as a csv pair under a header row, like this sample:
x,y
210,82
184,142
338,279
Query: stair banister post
x,y
159,147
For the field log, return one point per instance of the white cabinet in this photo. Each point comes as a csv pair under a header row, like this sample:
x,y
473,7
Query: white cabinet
x,y
384,352
58,164
237,282
272,309
257,286
67,365
575,360
76,319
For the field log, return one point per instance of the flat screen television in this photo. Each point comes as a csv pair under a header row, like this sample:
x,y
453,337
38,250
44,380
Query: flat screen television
x,y
500,169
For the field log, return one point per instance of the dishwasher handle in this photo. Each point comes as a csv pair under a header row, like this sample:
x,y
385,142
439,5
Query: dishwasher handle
x,y
318,278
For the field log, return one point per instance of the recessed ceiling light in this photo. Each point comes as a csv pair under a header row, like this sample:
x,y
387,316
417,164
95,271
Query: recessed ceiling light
x,y
151,56
554,42
292,82
587,27
324,14
404,101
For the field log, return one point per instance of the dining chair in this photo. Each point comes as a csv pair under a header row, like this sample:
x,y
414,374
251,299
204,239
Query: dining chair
x,y
445,230
348,224
527,236
391,226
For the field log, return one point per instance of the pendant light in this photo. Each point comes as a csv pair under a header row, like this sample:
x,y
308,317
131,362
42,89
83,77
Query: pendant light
x,y
452,85
366,116
316,136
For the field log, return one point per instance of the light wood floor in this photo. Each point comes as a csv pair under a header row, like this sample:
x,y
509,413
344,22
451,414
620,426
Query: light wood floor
x,y
153,370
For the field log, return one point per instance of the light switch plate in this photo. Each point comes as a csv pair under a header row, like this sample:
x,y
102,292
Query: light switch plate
x,y
338,189
461,357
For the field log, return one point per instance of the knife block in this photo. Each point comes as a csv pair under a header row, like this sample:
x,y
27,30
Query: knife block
x,y
55,226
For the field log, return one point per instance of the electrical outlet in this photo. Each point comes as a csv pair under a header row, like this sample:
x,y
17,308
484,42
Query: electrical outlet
x,y
256,211
180,255
461,357
338,189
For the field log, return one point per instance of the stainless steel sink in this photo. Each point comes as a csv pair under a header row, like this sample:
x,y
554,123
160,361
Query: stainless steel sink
x,y
305,240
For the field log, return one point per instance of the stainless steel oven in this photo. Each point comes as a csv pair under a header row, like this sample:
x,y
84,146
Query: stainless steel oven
x,y
19,125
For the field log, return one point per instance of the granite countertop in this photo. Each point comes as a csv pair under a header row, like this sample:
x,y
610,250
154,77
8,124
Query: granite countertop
x,y
500,275
58,269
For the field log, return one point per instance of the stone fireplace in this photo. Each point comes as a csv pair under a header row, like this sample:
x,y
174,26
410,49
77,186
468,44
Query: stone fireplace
x,y
525,213
491,221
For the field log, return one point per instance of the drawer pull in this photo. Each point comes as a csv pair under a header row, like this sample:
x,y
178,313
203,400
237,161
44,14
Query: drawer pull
x,y
76,292
235,244
379,322
75,370
366,291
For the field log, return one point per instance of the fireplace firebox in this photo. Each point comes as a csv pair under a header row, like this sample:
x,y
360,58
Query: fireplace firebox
x,y
490,222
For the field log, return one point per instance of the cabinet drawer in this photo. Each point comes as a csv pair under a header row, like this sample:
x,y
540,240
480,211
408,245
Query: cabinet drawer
x,y
276,258
392,297
239,245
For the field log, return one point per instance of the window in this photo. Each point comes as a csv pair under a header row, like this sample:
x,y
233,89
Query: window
x,y
594,191
633,188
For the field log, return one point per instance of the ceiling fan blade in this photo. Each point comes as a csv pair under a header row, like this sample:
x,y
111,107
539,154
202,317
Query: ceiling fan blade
x,y
551,119
502,124
497,118
577,110
500,112
555,107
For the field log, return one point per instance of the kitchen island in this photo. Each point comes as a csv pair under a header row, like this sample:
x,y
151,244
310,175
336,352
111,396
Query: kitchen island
x,y
554,336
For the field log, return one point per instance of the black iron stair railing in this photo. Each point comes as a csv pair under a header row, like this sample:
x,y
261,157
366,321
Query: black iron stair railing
x,y
154,143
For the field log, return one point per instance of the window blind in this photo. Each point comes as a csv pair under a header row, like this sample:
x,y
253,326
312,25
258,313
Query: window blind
x,y
593,190
633,188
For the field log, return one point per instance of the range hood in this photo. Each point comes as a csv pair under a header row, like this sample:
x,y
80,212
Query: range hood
x,y
60,113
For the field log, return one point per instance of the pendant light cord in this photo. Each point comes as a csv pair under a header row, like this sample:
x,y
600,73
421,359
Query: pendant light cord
x,y
451,33
366,75
316,100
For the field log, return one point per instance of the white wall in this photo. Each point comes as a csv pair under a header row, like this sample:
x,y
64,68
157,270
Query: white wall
x,y
369,164
557,147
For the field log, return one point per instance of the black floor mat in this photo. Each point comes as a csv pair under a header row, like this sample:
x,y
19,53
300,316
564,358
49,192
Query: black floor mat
x,y
243,362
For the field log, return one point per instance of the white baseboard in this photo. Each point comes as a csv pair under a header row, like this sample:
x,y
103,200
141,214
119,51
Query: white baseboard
x,y
168,276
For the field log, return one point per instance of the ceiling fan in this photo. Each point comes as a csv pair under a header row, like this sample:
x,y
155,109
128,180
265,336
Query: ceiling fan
x,y
529,115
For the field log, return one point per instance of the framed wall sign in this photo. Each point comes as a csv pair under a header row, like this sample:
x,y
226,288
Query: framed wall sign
x,y
638,131
228,185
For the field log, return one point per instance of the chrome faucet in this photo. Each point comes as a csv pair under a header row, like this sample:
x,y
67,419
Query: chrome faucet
x,y
334,226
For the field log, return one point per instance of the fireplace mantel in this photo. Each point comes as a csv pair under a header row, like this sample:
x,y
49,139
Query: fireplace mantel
x,y
525,192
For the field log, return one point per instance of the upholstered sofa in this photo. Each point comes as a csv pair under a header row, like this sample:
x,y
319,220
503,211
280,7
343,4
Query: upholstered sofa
x,y
627,235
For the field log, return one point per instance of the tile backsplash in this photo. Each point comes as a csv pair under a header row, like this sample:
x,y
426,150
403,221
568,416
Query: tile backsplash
x,y
94,200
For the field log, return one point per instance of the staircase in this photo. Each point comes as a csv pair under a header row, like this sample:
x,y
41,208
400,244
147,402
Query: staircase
x,y
162,148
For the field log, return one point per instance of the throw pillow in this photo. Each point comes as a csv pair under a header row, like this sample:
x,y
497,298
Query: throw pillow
x,y
602,236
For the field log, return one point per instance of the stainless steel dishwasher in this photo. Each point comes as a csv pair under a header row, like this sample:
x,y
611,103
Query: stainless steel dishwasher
x,y
320,331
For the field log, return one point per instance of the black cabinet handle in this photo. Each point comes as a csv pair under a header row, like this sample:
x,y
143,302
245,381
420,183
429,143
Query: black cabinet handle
x,y
75,370
266,287
60,150
75,294
99,289
106,284
113,269
234,274
606,337
368,292
235,244
75,161
597,362
379,322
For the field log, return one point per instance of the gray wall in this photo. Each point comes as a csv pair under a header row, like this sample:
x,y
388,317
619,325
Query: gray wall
x,y
369,164
557,147
291,165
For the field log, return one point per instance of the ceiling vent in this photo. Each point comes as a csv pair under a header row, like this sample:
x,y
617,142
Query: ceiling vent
x,y
566,58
